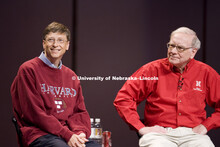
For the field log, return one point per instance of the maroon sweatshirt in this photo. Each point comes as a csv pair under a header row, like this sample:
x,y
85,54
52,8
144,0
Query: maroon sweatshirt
x,y
48,100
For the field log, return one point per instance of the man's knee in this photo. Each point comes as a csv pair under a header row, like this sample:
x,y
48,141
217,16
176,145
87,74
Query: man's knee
x,y
154,143
49,140
155,140
92,143
201,141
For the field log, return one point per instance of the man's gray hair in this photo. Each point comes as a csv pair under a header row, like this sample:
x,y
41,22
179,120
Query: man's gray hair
x,y
195,42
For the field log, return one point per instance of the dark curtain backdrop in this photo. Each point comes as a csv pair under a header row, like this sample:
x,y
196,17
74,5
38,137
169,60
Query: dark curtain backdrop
x,y
109,38
22,24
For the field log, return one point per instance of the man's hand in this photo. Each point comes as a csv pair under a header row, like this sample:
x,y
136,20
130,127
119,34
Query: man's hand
x,y
157,129
77,140
200,129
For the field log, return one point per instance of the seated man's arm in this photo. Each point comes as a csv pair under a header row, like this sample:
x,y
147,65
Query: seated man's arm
x,y
79,121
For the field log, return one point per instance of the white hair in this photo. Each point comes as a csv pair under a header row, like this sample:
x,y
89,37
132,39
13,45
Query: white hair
x,y
195,42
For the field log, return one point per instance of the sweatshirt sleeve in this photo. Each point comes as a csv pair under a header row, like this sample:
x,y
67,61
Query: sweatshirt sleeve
x,y
129,96
213,100
32,107
79,121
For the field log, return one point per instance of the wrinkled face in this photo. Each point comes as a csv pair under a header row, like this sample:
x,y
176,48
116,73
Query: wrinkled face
x,y
181,58
55,45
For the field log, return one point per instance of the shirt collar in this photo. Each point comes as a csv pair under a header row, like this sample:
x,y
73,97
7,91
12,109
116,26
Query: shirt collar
x,y
46,61
188,65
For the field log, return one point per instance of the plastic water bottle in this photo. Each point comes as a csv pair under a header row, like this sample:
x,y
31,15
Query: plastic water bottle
x,y
92,136
98,131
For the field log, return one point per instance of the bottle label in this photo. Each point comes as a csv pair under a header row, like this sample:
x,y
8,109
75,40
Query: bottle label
x,y
92,133
106,139
98,132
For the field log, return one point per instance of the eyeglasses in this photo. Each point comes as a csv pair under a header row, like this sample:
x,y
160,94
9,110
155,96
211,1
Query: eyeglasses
x,y
178,48
59,41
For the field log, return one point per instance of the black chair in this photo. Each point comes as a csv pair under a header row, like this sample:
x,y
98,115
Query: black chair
x,y
18,131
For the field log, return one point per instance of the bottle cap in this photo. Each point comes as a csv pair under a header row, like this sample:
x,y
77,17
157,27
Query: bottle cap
x,y
97,120
91,120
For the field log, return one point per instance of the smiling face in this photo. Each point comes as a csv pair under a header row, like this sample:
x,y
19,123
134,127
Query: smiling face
x,y
180,59
55,45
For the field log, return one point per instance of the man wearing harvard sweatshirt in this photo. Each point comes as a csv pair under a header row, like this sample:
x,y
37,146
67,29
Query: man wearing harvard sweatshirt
x,y
176,90
47,97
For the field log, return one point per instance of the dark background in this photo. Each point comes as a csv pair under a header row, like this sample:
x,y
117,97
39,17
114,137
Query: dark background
x,y
109,38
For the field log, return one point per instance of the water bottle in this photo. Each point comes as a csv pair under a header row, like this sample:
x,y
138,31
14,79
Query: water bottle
x,y
98,131
92,136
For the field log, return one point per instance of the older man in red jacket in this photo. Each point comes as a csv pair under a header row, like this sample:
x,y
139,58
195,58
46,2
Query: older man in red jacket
x,y
175,113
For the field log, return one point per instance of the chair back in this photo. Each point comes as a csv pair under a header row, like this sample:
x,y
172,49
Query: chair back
x,y
18,131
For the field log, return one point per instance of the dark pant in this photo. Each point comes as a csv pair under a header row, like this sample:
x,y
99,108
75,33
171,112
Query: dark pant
x,y
55,141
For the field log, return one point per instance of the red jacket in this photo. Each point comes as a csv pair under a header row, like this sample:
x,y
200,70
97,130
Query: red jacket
x,y
48,100
172,99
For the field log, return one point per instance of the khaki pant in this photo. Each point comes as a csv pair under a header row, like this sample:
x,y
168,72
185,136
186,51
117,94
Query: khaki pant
x,y
179,137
